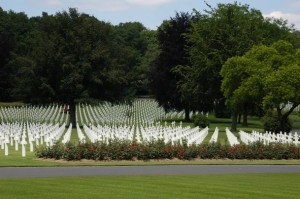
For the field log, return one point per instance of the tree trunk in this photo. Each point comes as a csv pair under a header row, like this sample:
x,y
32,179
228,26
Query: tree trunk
x,y
239,118
279,117
234,122
72,113
245,118
187,115
284,117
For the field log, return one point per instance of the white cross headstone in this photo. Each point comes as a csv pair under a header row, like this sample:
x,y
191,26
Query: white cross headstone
x,y
6,142
23,143
17,139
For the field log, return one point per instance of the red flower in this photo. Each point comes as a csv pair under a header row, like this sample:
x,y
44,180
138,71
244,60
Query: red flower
x,y
296,151
182,153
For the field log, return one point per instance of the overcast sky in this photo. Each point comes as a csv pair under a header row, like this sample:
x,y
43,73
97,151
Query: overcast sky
x,y
149,12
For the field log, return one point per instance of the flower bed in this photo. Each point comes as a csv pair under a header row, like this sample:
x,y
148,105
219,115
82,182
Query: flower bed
x,y
126,150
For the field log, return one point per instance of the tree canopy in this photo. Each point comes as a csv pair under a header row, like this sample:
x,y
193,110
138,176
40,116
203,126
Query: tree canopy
x,y
72,57
216,35
266,76
172,46
13,29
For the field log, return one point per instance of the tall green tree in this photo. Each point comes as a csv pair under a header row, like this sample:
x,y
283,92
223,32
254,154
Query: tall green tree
x,y
264,75
147,60
132,44
218,34
172,46
71,58
13,31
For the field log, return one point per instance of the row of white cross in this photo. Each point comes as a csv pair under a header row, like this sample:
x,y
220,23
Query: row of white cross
x,y
214,137
51,114
34,134
106,133
116,114
232,139
268,137
146,133
142,111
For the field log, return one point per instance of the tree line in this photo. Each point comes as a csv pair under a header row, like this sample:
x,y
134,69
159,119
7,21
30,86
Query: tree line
x,y
72,56
201,55
191,62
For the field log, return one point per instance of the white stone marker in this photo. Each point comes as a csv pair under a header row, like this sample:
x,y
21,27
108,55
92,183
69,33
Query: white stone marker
x,y
6,142
17,140
23,143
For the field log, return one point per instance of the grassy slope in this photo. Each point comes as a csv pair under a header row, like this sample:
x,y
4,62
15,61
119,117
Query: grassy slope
x,y
156,186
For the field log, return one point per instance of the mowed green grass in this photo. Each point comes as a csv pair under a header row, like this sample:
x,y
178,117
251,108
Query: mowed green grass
x,y
156,186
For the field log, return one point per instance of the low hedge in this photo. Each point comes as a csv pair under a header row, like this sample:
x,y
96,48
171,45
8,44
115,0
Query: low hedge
x,y
126,150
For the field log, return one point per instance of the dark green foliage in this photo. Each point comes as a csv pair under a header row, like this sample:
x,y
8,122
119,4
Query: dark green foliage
x,y
218,34
221,110
55,152
172,46
71,59
14,28
72,56
131,45
200,120
265,77
273,124
212,151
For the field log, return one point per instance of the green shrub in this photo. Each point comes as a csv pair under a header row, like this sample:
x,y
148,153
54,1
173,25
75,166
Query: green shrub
x,y
212,151
272,123
200,120
55,152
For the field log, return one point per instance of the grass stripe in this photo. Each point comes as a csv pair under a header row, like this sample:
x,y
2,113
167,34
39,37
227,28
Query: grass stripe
x,y
156,186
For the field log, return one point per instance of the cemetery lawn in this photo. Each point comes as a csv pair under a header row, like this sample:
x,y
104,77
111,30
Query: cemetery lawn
x,y
156,186
14,158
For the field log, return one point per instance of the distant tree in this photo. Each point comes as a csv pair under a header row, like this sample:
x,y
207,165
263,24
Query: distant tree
x,y
172,46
